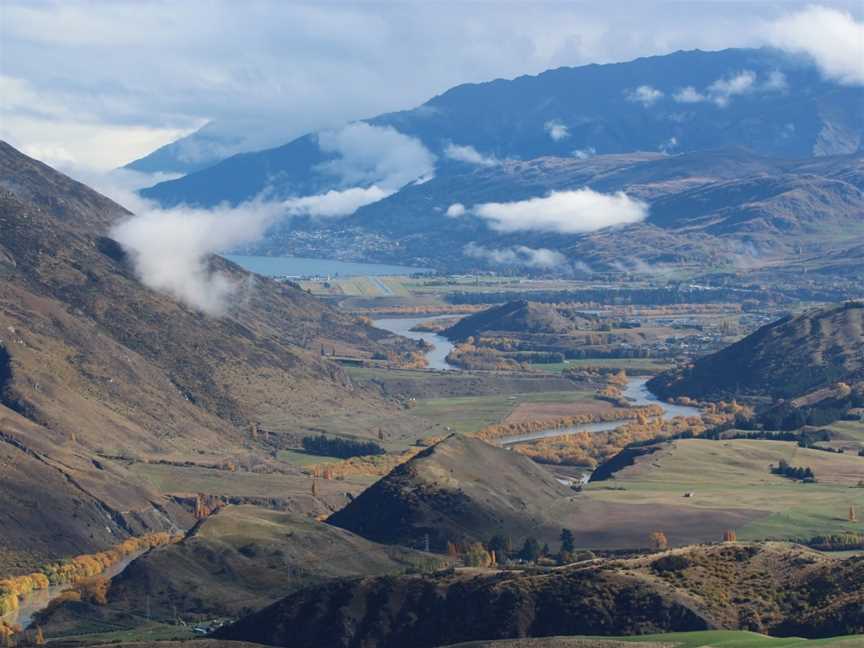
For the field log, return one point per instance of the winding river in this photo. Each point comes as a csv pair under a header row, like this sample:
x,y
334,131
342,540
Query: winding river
x,y
636,390
39,599
403,325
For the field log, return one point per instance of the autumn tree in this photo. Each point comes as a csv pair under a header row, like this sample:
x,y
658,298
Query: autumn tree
x,y
39,639
853,516
658,541
730,536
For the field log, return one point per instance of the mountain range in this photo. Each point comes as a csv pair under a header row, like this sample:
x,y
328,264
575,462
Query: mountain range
x,y
735,155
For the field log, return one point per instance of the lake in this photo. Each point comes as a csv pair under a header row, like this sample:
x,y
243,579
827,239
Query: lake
x,y
303,267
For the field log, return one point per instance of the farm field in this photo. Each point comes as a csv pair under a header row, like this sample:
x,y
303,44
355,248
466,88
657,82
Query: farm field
x,y
735,474
644,364
185,480
467,414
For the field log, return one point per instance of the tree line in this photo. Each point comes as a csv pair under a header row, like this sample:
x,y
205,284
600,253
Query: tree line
x,y
339,447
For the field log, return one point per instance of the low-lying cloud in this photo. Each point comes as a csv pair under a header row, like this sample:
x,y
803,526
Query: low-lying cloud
x,y
170,248
375,155
336,204
470,155
455,210
645,94
540,258
832,38
563,212
721,91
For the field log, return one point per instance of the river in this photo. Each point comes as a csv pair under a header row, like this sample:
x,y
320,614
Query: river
x,y
636,392
437,357
39,599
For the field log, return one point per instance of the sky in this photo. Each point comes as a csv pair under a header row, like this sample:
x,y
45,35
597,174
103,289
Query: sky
x,y
98,84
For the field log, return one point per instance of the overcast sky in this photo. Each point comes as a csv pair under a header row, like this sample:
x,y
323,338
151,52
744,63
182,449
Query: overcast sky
x,y
101,83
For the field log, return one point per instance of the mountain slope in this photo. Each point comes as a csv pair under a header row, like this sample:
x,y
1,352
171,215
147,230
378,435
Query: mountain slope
x,y
238,560
773,588
459,489
785,108
517,317
102,372
785,359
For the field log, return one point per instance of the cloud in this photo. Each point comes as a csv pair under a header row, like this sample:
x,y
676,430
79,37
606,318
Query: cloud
x,y
516,255
564,212
556,130
381,155
469,155
584,154
336,204
689,94
455,210
722,90
832,38
645,94
170,249
669,145
776,82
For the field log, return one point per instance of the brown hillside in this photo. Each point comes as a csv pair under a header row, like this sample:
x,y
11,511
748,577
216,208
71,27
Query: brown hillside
x,y
109,369
237,561
460,489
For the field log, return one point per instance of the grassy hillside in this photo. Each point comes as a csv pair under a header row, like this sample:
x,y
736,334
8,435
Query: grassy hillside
x,y
237,561
735,475
785,359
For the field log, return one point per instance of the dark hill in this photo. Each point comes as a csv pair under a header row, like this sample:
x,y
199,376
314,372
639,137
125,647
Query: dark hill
x,y
777,589
519,316
785,359
459,489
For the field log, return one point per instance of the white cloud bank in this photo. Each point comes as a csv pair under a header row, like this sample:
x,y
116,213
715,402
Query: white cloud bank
x,y
564,212
832,38
721,91
470,155
517,255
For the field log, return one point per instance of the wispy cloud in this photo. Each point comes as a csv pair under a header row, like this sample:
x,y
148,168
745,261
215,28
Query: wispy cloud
x,y
722,90
517,255
689,94
470,155
556,130
645,94
564,212
832,38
